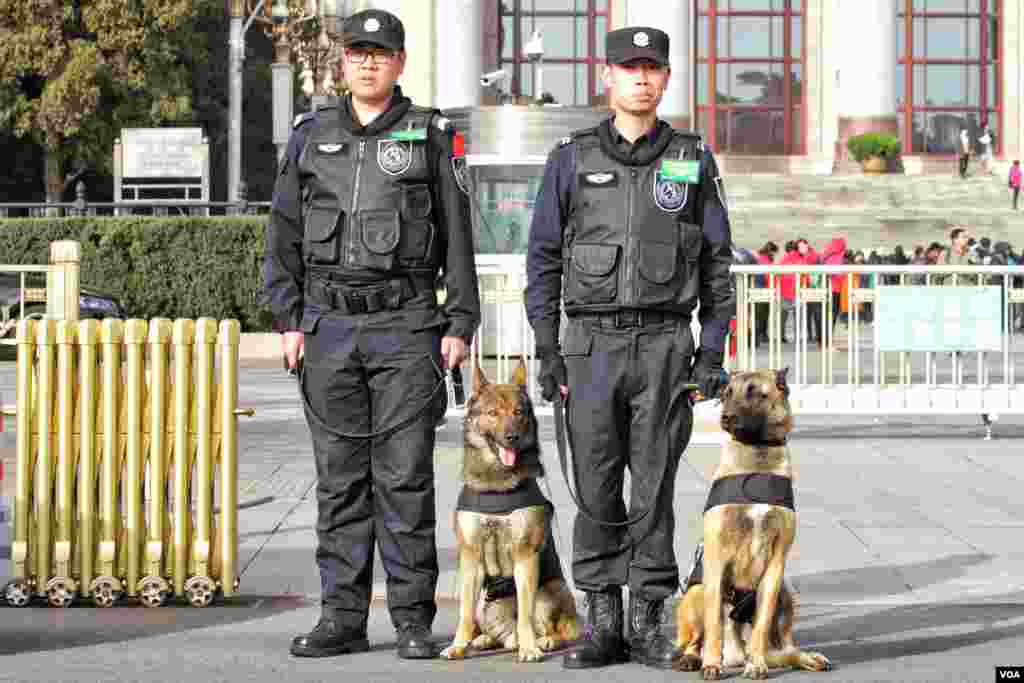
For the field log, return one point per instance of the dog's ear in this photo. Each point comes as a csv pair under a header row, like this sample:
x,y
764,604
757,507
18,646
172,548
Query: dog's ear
x,y
519,374
479,379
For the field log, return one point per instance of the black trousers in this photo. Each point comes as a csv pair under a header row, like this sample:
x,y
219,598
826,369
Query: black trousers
x,y
814,325
627,408
366,373
1016,196
761,311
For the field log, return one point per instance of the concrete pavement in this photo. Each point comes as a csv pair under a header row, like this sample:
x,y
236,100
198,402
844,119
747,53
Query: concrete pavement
x,y
907,560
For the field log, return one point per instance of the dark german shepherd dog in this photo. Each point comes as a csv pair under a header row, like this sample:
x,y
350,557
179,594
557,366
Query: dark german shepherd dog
x,y
512,593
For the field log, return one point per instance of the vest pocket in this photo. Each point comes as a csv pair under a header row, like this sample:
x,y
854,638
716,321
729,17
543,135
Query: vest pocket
x,y
321,233
379,233
417,230
693,240
592,277
658,266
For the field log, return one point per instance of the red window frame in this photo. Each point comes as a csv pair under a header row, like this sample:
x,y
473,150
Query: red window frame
x,y
591,60
987,9
794,141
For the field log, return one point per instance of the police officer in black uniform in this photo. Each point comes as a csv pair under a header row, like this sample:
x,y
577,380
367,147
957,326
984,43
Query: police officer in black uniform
x,y
632,220
369,204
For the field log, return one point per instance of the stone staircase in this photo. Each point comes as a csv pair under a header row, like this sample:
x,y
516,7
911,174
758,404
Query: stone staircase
x,y
870,211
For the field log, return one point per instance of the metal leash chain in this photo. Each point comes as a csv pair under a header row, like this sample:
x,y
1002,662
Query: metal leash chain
x,y
402,424
562,430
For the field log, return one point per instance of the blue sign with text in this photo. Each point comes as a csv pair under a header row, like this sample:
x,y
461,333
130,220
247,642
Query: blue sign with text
x,y
939,318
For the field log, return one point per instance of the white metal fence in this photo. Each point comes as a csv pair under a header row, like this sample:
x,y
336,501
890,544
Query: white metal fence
x,y
853,370
849,371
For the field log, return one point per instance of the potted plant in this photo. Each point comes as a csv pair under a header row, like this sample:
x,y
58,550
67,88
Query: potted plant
x,y
874,150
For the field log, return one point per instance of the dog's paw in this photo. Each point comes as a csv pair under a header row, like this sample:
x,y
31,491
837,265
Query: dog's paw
x,y
756,669
712,672
484,642
814,661
454,651
687,663
529,653
549,643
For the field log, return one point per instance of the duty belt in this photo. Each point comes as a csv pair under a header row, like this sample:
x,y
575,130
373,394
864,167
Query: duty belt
x,y
385,296
627,318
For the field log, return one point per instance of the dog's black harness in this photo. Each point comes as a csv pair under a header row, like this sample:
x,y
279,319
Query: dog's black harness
x,y
527,494
755,488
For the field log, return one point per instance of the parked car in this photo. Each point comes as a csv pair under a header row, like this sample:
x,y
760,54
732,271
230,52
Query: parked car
x,y
92,303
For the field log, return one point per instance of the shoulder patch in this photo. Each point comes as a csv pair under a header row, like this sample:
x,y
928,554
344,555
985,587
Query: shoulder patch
x,y
565,141
302,118
444,124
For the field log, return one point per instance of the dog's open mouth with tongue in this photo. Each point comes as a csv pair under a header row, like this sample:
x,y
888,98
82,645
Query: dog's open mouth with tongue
x,y
509,456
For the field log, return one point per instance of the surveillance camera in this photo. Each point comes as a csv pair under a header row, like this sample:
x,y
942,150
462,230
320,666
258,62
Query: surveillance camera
x,y
534,48
493,78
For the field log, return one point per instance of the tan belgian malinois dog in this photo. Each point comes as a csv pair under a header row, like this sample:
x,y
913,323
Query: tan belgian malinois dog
x,y
511,590
749,529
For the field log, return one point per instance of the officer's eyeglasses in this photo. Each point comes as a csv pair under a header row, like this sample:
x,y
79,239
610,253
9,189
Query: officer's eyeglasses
x,y
358,56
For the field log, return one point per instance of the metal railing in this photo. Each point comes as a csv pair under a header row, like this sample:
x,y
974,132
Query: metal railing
x,y
148,207
61,292
853,368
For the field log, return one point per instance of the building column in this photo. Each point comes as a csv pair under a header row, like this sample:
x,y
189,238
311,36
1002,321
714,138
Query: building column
x,y
420,74
674,19
458,36
866,79
1013,82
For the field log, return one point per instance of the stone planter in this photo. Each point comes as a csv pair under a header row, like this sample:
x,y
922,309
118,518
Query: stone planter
x,y
875,165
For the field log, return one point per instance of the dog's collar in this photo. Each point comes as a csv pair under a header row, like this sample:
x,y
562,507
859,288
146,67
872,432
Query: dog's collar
x,y
766,443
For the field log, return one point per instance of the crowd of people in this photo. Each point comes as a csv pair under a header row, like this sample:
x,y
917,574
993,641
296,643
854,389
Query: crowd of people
x,y
961,249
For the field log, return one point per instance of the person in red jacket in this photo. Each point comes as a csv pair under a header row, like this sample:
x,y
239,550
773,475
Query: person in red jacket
x,y
765,257
787,287
835,255
1015,181
810,257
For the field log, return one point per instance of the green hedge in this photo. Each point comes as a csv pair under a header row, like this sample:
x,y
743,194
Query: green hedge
x,y
181,267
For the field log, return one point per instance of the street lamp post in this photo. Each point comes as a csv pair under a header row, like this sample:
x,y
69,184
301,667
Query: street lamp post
x,y
288,39
281,78
236,56
329,34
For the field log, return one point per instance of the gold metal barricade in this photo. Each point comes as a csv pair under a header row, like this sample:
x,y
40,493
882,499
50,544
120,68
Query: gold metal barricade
x,y
127,438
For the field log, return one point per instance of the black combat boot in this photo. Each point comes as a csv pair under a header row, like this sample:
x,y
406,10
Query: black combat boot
x,y
414,641
647,644
331,637
602,644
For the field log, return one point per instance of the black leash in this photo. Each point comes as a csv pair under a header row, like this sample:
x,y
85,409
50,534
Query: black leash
x,y
388,431
562,430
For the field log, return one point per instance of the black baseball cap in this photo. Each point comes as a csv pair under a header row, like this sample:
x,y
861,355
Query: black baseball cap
x,y
373,27
637,42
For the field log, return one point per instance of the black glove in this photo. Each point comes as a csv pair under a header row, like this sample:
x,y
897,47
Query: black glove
x,y
552,374
708,373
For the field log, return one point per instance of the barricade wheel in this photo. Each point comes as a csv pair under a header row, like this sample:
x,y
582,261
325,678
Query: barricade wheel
x,y
106,591
61,592
200,591
18,593
154,591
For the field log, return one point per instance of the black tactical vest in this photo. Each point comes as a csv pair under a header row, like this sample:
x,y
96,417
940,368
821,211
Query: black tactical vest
x,y
633,238
367,207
